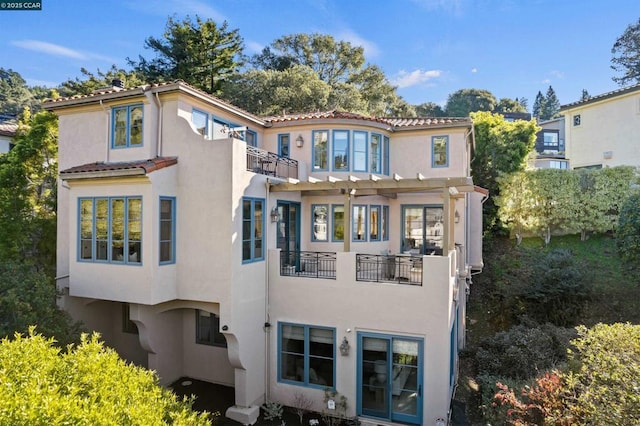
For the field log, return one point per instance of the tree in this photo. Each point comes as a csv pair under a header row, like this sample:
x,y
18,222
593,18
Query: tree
x,y
510,105
501,148
28,184
29,298
551,105
14,93
201,53
92,82
430,109
625,56
86,384
585,96
538,105
465,101
628,234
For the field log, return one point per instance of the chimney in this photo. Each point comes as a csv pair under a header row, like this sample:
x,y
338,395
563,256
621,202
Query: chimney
x,y
117,84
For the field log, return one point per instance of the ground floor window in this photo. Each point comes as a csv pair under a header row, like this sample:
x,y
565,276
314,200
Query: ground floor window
x,y
208,329
306,355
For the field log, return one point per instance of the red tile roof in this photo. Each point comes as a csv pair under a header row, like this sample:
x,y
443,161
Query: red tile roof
x,y
391,121
144,166
8,128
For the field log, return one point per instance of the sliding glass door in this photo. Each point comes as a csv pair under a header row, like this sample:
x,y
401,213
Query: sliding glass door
x,y
390,377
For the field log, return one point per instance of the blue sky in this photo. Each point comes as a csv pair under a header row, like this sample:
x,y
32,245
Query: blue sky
x,y
428,48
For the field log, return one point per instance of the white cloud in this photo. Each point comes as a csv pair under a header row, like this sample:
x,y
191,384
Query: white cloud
x,y
49,48
474,70
557,74
254,46
370,48
58,50
407,79
169,8
453,7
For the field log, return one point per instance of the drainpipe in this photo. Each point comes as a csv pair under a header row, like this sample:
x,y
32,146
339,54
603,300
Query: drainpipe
x,y
267,329
106,111
158,104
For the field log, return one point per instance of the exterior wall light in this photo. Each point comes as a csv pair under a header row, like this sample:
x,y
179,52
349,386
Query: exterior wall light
x,y
299,141
456,217
275,216
344,347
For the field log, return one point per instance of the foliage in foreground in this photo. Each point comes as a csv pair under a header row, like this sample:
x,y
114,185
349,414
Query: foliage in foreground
x,y
599,386
86,385
628,235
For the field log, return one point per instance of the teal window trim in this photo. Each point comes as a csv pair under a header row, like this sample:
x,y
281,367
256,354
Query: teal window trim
x,y
253,222
335,223
128,127
359,210
375,223
307,356
167,231
385,158
284,145
251,137
340,164
208,329
204,131
437,151
360,151
314,225
385,223
376,153
319,157
90,223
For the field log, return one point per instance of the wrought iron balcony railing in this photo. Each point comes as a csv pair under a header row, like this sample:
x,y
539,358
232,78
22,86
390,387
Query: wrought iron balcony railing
x,y
402,269
271,164
310,264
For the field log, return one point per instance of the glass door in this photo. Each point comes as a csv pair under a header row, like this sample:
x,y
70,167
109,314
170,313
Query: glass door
x,y
423,229
288,239
390,377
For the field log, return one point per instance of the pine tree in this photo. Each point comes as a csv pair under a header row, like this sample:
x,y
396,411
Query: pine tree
x,y
538,105
551,105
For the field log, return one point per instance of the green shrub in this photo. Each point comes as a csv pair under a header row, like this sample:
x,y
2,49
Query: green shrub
x,y
628,233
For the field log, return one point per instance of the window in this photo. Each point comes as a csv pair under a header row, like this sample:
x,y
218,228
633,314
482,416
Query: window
x,y
284,145
385,223
341,150
306,355
557,164
200,121
423,229
576,120
128,326
320,214
251,138
376,153
110,230
337,223
359,151
385,160
127,126
359,223
440,151
208,329
550,140
167,230
252,229
320,147
374,223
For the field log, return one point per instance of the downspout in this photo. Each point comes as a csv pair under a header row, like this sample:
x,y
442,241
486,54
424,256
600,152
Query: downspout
x,y
267,322
158,104
107,144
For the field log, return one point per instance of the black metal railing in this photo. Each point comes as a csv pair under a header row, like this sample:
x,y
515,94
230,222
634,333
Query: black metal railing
x,y
402,269
271,164
311,264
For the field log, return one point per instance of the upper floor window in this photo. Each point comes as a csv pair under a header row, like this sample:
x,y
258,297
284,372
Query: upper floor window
x,y
284,144
320,147
374,223
306,355
337,222
341,150
252,229
359,223
577,120
439,151
360,151
127,126
550,139
208,329
385,223
320,216
167,246
376,153
110,230
200,121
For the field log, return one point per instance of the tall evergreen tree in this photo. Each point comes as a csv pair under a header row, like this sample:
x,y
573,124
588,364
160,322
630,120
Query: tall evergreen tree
x,y
585,96
538,105
626,56
551,105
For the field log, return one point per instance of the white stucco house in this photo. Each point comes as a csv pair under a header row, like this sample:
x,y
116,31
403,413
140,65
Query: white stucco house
x,y
8,129
603,131
278,255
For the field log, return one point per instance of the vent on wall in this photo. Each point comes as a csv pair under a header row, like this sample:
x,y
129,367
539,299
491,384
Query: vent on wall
x,y
607,155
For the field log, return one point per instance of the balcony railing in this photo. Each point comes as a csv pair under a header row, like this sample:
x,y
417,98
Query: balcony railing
x,y
402,269
270,164
309,264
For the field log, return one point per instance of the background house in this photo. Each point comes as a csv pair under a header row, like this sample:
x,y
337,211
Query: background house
x,y
550,145
8,128
278,255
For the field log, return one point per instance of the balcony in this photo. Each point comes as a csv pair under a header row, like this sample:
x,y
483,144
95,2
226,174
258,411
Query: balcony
x,y
308,264
271,164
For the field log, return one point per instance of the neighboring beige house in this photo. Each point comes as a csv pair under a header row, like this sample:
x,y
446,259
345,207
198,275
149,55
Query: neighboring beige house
x,y
280,255
603,131
8,128
550,145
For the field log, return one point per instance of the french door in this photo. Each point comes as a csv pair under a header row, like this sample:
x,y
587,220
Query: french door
x,y
288,232
390,370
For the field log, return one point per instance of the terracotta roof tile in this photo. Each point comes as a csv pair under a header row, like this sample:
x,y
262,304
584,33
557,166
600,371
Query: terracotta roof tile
x,y
8,128
146,166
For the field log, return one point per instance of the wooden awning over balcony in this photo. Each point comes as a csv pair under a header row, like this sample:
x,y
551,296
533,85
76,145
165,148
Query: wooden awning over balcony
x,y
353,186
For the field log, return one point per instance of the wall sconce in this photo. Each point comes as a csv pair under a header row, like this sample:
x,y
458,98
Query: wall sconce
x,y
225,327
299,141
456,217
275,216
344,347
